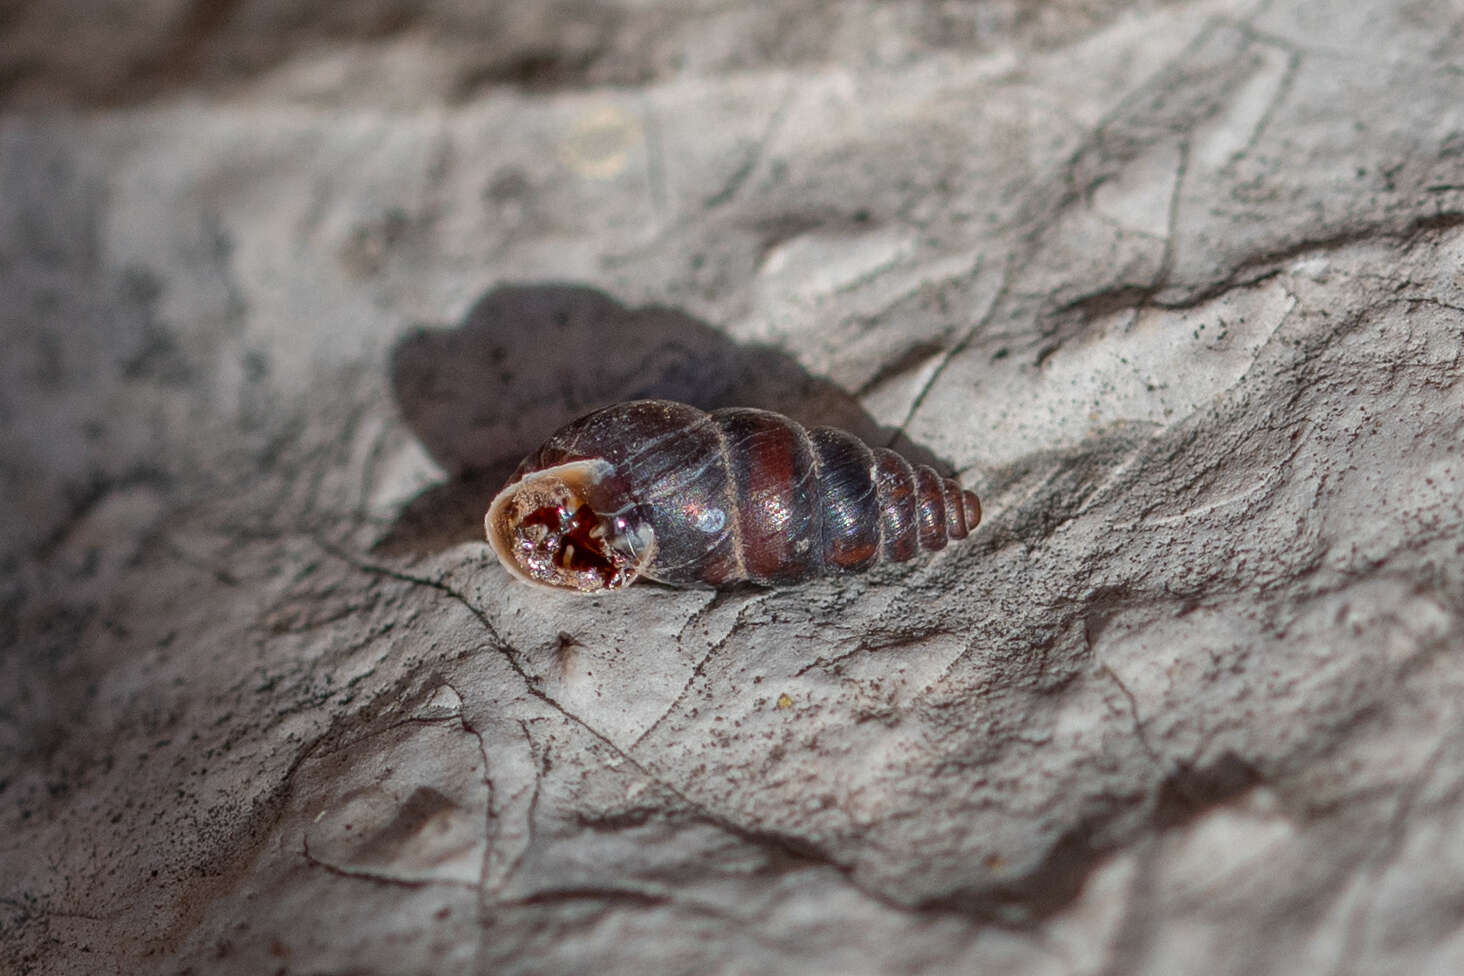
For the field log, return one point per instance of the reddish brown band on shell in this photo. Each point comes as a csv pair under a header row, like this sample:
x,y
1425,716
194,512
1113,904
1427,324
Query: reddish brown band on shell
x,y
850,503
772,468
930,494
894,479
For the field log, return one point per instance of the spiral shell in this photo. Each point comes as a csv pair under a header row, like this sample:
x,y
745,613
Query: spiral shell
x,y
664,491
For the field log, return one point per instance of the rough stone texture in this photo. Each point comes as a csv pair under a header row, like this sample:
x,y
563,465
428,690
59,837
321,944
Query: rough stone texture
x,y
1175,286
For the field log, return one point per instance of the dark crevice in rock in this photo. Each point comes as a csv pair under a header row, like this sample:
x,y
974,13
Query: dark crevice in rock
x,y
1190,791
1255,269
1059,877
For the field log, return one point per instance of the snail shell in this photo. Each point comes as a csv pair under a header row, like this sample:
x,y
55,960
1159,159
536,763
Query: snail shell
x,y
664,491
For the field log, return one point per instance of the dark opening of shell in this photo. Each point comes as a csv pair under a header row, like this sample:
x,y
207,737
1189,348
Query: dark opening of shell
x,y
574,539
547,528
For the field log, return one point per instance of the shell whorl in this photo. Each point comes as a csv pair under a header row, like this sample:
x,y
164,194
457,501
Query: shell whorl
x,y
666,491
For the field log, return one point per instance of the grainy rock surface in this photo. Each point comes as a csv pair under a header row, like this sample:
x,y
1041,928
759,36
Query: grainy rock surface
x,y
1176,287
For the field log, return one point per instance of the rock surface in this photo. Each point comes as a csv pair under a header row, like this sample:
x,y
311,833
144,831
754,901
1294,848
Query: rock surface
x,y
1176,287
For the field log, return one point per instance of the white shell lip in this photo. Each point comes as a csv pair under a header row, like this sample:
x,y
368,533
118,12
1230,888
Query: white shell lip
x,y
576,475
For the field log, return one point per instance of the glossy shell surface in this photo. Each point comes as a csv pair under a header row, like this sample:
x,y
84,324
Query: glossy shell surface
x,y
663,491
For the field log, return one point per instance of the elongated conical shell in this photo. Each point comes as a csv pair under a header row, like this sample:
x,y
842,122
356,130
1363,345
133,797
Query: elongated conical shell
x,y
664,491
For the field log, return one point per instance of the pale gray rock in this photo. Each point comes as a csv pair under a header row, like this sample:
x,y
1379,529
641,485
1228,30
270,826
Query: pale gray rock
x,y
1175,287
